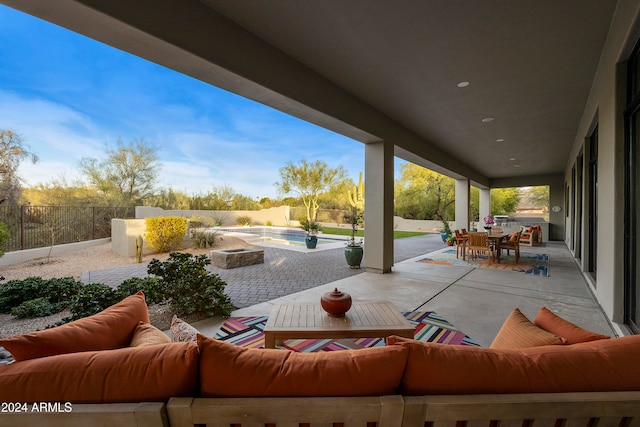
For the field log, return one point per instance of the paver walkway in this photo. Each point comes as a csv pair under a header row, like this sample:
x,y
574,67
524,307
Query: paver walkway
x,y
284,271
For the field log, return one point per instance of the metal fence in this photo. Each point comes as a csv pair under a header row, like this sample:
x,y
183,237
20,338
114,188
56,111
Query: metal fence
x,y
42,226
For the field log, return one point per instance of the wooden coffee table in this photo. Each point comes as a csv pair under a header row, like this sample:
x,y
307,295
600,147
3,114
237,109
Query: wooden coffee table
x,y
363,320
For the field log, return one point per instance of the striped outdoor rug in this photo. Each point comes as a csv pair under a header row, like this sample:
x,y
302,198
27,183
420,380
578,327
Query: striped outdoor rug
x,y
247,332
534,264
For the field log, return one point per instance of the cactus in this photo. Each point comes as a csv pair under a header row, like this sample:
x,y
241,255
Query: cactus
x,y
139,242
356,197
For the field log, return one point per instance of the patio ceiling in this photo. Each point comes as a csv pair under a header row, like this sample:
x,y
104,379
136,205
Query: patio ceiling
x,y
374,69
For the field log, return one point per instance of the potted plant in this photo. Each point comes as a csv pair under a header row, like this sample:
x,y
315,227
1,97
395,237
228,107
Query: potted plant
x,y
354,252
446,231
312,228
450,240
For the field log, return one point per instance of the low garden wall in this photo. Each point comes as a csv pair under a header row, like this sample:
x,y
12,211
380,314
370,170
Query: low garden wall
x,y
279,216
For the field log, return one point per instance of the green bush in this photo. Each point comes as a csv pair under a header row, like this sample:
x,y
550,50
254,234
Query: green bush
x,y
190,288
154,293
92,299
57,291
204,239
38,307
166,233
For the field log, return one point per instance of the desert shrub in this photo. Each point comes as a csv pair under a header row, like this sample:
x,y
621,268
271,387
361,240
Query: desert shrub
x,y
268,223
244,220
57,291
201,221
154,293
190,288
219,219
165,233
204,239
38,307
92,299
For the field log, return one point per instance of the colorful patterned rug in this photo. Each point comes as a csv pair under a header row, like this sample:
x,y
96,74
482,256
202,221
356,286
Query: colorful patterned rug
x,y
536,264
247,332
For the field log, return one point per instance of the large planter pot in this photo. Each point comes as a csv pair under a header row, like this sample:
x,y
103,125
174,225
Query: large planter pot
x,y
311,242
353,254
444,236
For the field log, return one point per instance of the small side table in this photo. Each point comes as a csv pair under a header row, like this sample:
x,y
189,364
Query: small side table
x,y
363,320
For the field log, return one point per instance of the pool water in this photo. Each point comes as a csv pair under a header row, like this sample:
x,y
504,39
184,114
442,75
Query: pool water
x,y
297,241
282,236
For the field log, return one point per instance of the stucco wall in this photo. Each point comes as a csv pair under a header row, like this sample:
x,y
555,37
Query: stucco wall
x,y
276,216
604,107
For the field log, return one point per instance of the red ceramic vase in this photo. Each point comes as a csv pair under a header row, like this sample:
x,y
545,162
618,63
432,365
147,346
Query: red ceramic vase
x,y
336,303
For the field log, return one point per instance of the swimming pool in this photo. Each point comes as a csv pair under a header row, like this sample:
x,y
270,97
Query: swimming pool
x,y
279,235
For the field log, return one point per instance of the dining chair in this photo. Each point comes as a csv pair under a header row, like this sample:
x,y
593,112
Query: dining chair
x,y
460,243
513,244
479,242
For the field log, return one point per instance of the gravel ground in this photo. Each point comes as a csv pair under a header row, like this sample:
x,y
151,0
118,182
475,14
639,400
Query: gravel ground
x,y
73,264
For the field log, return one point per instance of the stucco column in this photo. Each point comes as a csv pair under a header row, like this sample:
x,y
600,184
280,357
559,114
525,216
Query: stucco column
x,y
378,199
485,205
462,203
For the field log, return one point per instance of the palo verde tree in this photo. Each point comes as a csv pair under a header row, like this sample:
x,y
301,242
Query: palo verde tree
x,y
309,181
127,175
12,152
424,194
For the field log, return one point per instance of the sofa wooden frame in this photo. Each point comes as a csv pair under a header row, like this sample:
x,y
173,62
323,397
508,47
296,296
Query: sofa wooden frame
x,y
601,409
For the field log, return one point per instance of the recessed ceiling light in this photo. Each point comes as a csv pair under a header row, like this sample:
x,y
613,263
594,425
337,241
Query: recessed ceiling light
x,y
463,84
500,140
512,159
516,166
487,119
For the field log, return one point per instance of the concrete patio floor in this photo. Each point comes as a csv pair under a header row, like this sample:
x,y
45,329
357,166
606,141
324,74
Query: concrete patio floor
x,y
477,301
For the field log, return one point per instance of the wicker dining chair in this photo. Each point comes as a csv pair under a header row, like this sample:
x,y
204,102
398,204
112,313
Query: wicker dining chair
x,y
478,242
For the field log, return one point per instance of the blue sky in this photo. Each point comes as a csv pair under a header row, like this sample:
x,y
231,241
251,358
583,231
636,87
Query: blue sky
x,y
70,97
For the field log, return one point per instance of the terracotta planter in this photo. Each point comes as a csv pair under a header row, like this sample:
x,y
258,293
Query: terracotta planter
x,y
336,303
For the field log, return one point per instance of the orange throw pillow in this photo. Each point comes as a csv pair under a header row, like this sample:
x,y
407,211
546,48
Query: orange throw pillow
x,y
227,370
111,328
132,374
146,334
604,365
555,324
518,332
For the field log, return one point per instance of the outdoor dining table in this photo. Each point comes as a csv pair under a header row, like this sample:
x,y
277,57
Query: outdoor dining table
x,y
495,243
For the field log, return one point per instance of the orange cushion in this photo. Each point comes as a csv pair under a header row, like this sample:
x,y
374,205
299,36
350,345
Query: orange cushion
x,y
227,370
555,324
109,329
146,334
132,374
604,365
518,332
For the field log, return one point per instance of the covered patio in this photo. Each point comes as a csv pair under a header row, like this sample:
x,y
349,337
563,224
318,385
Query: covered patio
x,y
476,300
493,94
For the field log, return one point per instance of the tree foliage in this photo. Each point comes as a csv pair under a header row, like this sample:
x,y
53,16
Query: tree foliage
x,y
424,194
127,175
504,200
13,151
309,181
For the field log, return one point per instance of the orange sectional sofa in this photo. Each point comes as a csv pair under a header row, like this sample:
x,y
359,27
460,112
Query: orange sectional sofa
x,y
114,369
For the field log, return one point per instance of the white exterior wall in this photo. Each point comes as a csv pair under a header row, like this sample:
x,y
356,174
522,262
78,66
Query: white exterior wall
x,y
604,107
